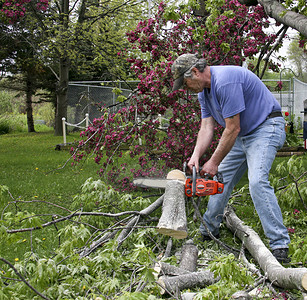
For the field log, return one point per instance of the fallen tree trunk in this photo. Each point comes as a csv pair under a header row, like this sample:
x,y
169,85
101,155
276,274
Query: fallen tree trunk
x,y
190,280
287,278
162,269
189,256
173,221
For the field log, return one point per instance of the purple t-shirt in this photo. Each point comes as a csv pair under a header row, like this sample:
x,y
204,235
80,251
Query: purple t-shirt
x,y
237,90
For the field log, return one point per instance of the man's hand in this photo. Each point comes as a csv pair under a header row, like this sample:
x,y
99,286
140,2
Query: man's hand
x,y
209,168
193,162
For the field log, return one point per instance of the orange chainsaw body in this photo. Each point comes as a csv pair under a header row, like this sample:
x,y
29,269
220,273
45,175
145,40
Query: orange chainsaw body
x,y
203,187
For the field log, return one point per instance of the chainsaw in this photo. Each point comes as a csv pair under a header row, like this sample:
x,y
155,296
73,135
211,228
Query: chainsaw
x,y
198,186
194,185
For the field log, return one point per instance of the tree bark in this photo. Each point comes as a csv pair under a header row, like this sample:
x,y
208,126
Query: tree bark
x,y
173,221
61,109
163,269
29,110
64,65
287,278
189,256
168,249
277,11
191,280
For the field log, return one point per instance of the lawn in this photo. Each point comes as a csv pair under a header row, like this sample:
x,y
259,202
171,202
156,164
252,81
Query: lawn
x,y
32,169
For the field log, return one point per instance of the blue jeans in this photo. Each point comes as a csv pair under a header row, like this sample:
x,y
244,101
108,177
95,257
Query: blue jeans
x,y
255,152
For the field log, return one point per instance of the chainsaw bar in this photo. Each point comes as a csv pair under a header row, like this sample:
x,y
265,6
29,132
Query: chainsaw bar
x,y
159,183
150,182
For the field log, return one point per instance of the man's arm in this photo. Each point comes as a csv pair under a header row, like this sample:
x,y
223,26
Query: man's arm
x,y
226,142
204,139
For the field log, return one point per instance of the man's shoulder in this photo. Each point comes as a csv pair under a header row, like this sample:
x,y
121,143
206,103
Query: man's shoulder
x,y
226,69
229,74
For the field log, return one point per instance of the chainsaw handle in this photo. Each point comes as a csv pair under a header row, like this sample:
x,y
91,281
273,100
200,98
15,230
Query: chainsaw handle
x,y
194,181
218,175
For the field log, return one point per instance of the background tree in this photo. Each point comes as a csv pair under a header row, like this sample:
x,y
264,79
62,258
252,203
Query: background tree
x,y
19,62
70,35
298,57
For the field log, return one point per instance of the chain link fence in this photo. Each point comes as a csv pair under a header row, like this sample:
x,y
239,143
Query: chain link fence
x,y
88,97
299,95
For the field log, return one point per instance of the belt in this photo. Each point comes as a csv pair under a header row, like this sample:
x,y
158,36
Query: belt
x,y
274,114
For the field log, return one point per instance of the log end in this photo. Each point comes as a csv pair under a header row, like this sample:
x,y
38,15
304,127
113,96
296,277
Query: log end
x,y
161,283
177,234
176,174
304,281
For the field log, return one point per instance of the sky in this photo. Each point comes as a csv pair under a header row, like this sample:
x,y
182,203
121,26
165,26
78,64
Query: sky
x,y
292,35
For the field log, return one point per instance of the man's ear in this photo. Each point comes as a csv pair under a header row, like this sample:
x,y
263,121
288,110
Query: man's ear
x,y
195,72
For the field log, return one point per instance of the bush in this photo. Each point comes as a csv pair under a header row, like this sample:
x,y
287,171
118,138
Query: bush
x,y
4,126
5,102
13,122
44,111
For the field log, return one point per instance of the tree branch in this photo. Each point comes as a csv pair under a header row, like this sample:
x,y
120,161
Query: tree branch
x,y
23,279
277,11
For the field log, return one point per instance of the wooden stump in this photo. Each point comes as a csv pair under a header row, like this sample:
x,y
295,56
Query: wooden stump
x,y
189,256
173,221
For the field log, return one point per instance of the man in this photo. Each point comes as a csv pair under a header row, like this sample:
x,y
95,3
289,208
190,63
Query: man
x,y
253,132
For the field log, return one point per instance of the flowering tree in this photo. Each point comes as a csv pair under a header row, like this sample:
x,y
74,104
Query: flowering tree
x,y
14,10
229,37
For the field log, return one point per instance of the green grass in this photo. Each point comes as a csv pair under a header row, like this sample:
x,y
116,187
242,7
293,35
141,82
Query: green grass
x,y
32,169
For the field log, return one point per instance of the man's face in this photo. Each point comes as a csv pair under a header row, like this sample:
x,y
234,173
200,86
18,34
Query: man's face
x,y
193,84
198,81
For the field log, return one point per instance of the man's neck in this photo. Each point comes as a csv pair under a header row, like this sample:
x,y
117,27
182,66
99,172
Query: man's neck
x,y
207,78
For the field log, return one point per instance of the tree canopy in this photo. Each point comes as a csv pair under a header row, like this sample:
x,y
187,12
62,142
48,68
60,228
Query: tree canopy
x,y
79,37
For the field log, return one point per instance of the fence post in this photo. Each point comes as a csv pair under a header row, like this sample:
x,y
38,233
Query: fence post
x,y
305,124
138,122
64,130
160,120
86,120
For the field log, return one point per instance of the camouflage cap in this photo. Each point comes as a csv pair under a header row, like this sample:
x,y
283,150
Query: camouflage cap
x,y
181,65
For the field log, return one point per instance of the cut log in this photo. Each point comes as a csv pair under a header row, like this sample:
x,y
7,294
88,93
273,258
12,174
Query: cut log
x,y
162,269
168,249
287,278
282,154
173,221
189,255
191,280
